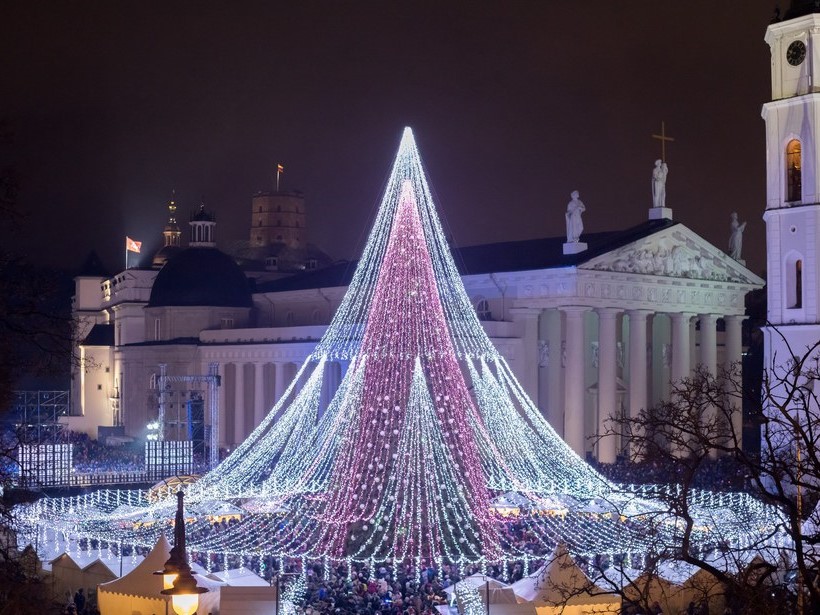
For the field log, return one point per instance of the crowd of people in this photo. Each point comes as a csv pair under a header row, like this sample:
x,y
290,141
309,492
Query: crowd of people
x,y
720,474
400,589
94,456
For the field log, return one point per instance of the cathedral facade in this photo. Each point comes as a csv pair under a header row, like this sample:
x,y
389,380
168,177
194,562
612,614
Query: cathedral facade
x,y
595,331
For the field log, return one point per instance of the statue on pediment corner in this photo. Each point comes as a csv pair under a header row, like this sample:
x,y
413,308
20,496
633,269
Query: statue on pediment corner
x,y
575,225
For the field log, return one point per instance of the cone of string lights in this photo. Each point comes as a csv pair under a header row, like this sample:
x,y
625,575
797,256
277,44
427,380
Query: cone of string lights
x,y
427,428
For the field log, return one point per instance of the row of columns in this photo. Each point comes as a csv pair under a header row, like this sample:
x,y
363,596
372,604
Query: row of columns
x,y
236,431
243,422
637,392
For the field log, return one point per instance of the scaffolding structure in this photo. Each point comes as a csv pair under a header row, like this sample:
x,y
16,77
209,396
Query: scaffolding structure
x,y
36,415
212,382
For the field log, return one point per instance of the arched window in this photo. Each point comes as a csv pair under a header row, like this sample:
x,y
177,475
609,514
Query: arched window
x,y
794,282
794,177
289,319
316,317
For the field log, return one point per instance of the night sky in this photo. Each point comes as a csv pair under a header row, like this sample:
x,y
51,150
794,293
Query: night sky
x,y
111,105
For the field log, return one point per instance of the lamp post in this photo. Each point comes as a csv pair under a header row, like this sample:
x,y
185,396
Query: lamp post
x,y
177,580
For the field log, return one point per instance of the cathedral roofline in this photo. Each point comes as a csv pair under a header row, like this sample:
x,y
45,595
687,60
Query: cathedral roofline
x,y
507,256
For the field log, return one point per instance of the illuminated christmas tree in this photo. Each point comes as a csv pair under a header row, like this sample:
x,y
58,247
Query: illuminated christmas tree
x,y
407,458
428,437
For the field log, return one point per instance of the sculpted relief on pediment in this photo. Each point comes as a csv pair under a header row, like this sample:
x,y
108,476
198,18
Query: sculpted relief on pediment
x,y
668,256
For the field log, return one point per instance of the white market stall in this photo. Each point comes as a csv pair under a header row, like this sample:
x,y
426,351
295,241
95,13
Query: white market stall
x,y
560,587
138,592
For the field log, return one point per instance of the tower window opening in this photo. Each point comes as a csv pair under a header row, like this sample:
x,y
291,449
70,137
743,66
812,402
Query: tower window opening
x,y
794,165
794,283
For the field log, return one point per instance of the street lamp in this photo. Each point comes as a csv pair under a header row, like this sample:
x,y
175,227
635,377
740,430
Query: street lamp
x,y
177,580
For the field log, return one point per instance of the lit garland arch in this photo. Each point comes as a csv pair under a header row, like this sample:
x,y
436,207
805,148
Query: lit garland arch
x,y
427,428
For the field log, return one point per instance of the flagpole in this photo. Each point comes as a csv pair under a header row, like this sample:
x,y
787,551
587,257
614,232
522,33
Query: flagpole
x,y
278,172
126,252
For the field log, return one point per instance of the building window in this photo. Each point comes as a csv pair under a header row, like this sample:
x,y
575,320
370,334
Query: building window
x,y
482,309
312,263
259,223
289,319
226,323
272,262
794,167
99,387
794,283
316,317
157,329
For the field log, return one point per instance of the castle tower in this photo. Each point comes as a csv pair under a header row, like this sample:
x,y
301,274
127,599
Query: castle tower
x,y
278,217
792,195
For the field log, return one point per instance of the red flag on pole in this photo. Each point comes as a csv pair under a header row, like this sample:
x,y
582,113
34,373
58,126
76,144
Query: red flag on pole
x,y
132,246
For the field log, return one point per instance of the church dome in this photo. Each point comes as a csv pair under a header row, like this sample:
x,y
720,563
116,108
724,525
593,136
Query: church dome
x,y
165,254
201,277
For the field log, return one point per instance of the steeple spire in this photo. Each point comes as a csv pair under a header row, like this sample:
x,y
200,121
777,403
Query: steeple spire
x,y
172,232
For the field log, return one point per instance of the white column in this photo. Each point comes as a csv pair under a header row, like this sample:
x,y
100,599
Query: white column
x,y
554,379
708,343
279,381
527,368
681,357
223,406
637,363
680,346
607,391
239,404
734,354
574,380
258,394
708,359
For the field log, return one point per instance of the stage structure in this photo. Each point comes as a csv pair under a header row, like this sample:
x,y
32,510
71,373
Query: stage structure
x,y
188,422
429,427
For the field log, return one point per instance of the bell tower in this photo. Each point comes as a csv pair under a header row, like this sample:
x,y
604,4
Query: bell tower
x,y
793,168
792,214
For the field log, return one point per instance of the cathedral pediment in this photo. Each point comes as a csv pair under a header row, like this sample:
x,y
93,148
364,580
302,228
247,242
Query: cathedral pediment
x,y
674,252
